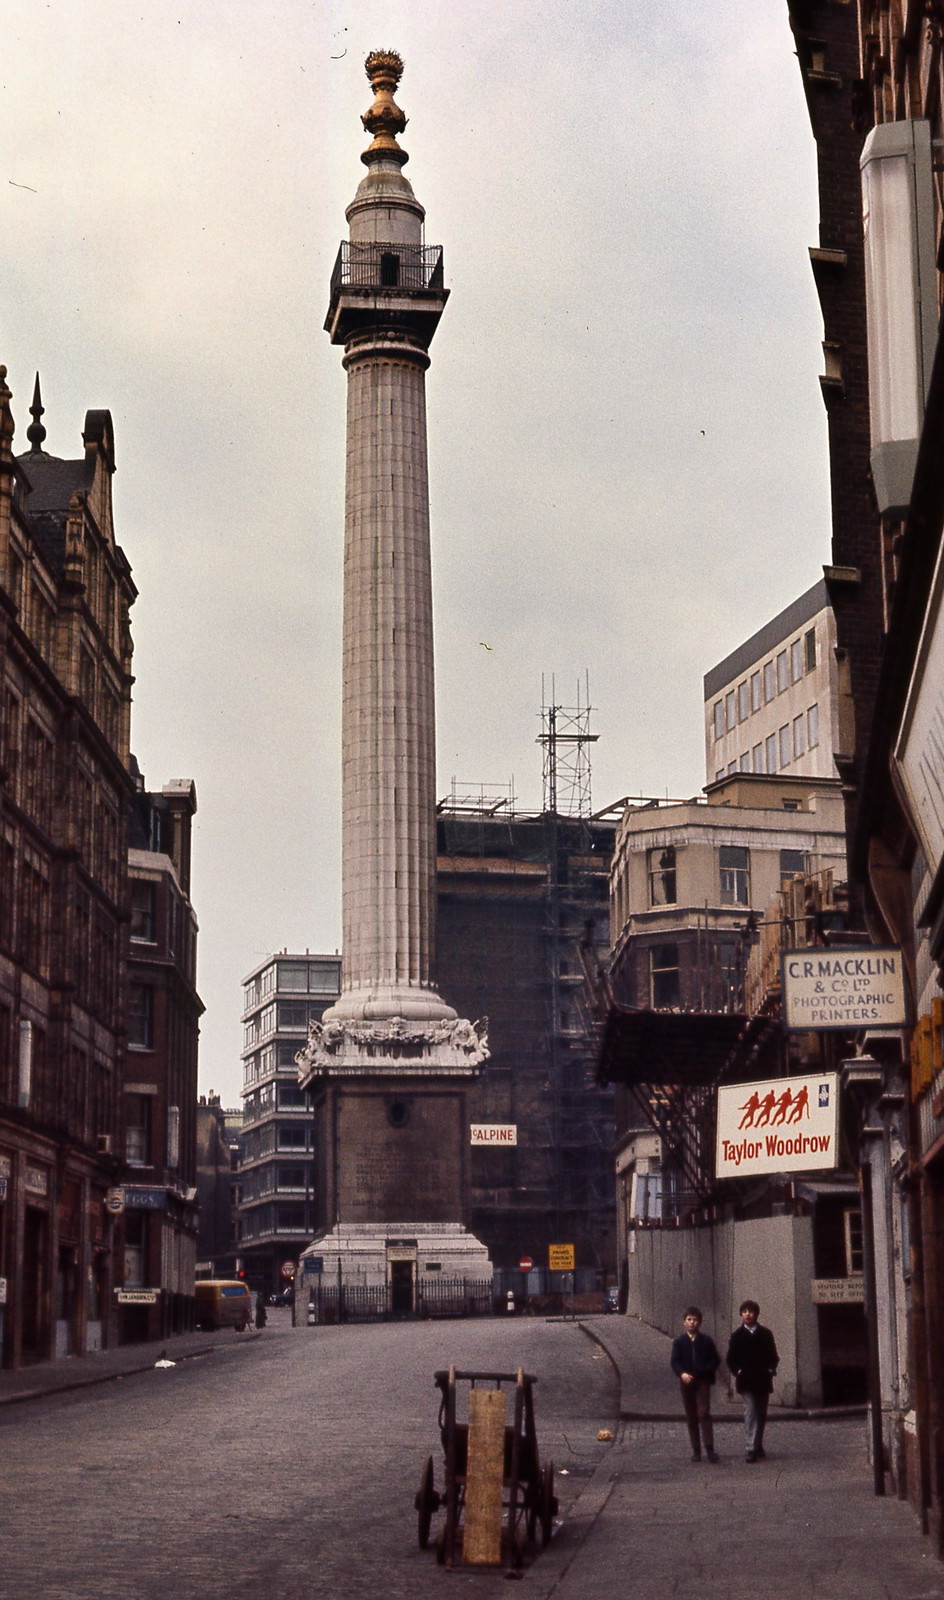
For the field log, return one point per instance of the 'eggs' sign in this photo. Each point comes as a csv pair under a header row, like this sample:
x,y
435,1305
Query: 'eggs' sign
x,y
853,988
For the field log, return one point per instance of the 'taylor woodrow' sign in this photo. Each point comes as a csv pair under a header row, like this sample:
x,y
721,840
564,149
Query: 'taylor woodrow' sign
x,y
783,1125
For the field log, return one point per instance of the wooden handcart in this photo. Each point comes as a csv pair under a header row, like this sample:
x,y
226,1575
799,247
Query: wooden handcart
x,y
497,1497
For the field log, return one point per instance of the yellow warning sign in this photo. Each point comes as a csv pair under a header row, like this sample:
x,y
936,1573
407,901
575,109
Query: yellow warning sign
x,y
560,1257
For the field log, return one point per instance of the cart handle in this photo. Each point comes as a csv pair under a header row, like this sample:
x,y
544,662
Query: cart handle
x,y
443,1377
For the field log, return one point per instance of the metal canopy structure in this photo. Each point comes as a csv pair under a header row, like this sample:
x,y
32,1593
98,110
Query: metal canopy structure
x,y
678,1048
670,1063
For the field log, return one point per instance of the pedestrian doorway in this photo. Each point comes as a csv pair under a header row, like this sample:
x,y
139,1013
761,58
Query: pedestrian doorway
x,y
401,1278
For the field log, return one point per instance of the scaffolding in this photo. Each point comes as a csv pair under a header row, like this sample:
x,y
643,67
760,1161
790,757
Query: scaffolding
x,y
516,892
565,737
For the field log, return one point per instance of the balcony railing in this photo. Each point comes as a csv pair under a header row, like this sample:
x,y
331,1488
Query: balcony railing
x,y
379,265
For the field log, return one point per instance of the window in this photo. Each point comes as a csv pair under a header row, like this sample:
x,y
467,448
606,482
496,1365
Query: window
x,y
812,724
291,1137
758,758
792,865
756,697
769,689
291,1177
852,1229
796,660
730,705
662,876
664,976
719,718
142,909
735,875
137,1129
782,672
324,977
809,645
293,975
744,701
293,1015
140,1017
799,736
173,1136
786,745
732,768
745,761
771,754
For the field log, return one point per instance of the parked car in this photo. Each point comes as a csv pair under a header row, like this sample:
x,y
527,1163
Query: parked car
x,y
283,1297
223,1303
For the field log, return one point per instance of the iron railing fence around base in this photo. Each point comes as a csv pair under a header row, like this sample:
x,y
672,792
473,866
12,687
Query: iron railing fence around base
x,y
329,1303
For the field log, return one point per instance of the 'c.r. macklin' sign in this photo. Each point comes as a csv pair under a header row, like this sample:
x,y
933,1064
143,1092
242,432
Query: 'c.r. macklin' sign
x,y
860,987
782,1125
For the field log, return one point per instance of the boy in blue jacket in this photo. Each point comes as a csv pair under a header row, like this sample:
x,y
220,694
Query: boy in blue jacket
x,y
695,1361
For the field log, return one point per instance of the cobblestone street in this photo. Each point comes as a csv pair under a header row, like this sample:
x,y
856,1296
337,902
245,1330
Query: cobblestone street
x,y
285,1466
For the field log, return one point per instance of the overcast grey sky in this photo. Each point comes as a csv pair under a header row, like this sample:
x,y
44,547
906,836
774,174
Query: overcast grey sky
x,y
627,440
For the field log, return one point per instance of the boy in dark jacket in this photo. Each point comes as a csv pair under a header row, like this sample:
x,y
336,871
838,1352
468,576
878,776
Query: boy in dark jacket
x,y
752,1359
695,1361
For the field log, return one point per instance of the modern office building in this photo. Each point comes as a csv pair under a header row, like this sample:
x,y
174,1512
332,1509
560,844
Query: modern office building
x,y
278,1180
772,705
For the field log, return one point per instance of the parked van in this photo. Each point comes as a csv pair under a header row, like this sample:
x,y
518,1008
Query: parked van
x,y
223,1303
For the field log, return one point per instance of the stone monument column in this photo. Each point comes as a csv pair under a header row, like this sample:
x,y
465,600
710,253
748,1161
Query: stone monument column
x,y
390,1031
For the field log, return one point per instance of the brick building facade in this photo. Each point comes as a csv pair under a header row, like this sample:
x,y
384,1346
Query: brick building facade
x,y
65,693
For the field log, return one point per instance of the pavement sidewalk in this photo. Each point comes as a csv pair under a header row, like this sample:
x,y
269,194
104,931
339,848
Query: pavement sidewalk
x,y
75,1372
803,1523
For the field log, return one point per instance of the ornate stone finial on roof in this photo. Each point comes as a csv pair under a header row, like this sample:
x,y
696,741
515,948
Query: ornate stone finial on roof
x,y
6,416
384,120
36,433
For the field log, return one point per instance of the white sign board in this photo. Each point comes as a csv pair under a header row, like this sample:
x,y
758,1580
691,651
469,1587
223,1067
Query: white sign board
x,y
782,1125
858,987
494,1133
838,1291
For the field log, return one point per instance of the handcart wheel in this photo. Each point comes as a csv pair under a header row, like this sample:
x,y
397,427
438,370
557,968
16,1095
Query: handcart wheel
x,y
549,1502
426,1502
